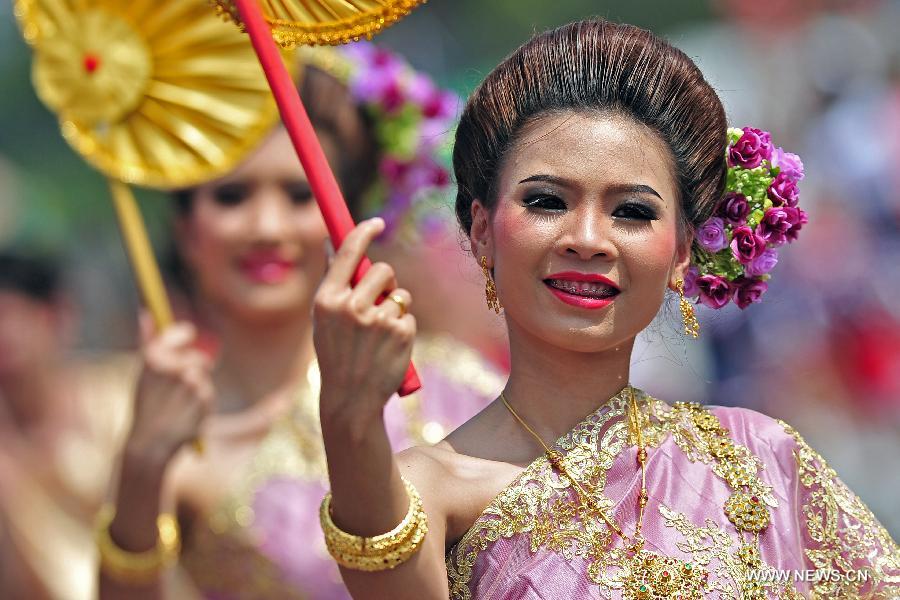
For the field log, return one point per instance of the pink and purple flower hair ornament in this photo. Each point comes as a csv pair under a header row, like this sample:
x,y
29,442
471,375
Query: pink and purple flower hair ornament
x,y
738,246
414,121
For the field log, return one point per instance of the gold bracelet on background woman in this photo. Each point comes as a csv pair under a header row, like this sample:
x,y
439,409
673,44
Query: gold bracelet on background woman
x,y
380,552
137,568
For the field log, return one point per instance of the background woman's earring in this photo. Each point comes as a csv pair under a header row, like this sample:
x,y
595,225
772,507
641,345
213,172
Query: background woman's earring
x,y
691,326
490,290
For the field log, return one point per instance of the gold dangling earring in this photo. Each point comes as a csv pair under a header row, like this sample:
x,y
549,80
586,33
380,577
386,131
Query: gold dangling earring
x,y
490,290
691,325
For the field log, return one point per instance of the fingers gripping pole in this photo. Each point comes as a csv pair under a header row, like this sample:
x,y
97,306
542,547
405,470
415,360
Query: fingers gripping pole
x,y
309,151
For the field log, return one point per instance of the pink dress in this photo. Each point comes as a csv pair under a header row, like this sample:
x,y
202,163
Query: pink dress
x,y
537,541
265,540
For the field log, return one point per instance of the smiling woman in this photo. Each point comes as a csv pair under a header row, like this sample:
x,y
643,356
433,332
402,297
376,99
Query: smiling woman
x,y
585,161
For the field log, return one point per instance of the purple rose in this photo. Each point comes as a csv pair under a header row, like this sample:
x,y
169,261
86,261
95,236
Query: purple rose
x,y
748,291
775,224
690,282
746,245
783,191
734,208
715,291
711,235
798,218
392,97
753,147
788,164
762,264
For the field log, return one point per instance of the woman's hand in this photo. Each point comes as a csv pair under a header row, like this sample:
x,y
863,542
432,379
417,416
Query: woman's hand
x,y
174,395
363,344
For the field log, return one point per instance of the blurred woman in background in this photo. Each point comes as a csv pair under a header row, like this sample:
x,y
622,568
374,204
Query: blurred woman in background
x,y
61,420
254,248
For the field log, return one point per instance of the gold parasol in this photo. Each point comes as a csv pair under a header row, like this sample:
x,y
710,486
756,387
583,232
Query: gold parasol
x,y
163,95
321,22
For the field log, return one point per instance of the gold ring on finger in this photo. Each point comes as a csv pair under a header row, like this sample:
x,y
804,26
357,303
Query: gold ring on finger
x,y
401,302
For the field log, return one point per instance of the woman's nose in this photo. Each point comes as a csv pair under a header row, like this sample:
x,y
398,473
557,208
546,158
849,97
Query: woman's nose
x,y
588,235
271,215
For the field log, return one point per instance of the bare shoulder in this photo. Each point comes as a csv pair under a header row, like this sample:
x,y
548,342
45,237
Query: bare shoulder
x,y
462,474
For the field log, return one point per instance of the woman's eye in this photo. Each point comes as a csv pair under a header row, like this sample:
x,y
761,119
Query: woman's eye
x,y
636,212
230,195
299,194
544,202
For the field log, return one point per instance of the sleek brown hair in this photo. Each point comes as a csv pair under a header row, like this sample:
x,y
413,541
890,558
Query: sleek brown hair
x,y
596,65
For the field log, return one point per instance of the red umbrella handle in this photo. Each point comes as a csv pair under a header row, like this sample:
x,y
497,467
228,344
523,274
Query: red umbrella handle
x,y
309,150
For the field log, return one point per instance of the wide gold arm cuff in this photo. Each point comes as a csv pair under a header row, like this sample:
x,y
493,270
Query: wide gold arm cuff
x,y
137,568
385,551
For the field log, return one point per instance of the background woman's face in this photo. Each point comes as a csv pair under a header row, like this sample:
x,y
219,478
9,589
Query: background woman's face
x,y
254,240
584,238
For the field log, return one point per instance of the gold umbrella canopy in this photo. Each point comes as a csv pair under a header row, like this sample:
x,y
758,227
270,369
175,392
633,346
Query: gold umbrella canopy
x,y
159,94
324,22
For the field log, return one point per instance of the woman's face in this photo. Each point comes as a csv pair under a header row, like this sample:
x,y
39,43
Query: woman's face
x,y
254,240
583,239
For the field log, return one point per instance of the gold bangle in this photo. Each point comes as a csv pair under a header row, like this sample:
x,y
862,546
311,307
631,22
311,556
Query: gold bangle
x,y
137,568
379,552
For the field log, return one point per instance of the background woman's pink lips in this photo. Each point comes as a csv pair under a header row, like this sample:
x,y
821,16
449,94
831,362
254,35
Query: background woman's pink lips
x,y
266,268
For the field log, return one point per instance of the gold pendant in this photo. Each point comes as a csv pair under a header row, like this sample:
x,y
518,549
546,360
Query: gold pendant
x,y
656,577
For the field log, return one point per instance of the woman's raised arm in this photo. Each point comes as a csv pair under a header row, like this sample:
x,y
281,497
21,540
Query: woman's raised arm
x,y
363,347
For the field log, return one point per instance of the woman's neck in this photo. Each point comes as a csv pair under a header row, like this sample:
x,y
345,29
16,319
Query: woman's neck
x,y
259,361
554,389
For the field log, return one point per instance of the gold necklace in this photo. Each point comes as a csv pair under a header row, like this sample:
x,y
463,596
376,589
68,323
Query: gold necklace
x,y
651,576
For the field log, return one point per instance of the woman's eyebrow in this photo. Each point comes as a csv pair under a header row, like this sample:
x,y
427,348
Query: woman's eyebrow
x,y
634,188
549,179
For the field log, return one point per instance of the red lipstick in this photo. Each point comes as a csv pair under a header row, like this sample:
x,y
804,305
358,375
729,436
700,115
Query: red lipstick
x,y
266,267
584,290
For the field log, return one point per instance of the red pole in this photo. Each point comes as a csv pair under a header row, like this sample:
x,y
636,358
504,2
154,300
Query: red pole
x,y
309,151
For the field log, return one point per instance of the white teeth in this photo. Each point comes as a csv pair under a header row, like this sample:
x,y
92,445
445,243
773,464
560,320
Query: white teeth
x,y
583,288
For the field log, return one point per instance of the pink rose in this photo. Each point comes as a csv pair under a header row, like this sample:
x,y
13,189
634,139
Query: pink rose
x,y
783,191
748,291
762,264
746,245
711,235
690,282
715,291
734,208
775,224
788,164
753,147
798,218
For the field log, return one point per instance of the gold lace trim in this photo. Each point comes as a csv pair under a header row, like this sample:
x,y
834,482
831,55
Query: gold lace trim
x,y
539,503
845,534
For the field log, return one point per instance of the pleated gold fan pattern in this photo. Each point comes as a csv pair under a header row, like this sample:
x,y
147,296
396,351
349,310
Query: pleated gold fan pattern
x,y
160,94
324,22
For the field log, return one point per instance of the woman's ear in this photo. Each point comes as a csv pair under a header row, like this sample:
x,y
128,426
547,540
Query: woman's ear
x,y
480,234
682,259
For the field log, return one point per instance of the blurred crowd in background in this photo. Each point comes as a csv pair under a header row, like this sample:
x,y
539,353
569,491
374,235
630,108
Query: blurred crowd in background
x,y
822,351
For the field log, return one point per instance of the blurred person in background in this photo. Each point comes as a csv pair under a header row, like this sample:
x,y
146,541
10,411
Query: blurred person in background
x,y
252,248
61,421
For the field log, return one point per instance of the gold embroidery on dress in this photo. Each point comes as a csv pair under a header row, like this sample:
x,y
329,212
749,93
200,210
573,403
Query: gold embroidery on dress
x,y
846,535
539,502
